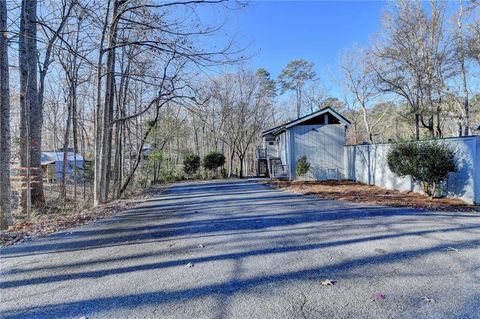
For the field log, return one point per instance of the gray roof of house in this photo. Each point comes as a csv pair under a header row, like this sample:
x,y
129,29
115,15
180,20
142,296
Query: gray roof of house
x,y
307,117
52,157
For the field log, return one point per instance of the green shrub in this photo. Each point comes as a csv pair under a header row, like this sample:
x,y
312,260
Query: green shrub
x,y
428,163
155,162
223,172
213,160
303,166
203,174
87,172
191,164
171,173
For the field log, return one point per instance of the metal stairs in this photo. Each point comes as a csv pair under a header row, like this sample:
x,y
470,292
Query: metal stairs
x,y
277,169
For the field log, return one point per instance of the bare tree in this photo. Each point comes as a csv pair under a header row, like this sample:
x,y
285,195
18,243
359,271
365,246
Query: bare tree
x,y
6,218
461,56
467,41
244,101
251,116
99,189
474,27
360,82
412,60
314,96
71,65
172,41
31,112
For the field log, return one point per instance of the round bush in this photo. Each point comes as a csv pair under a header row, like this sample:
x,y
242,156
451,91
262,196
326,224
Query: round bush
x,y
303,166
191,164
213,160
426,162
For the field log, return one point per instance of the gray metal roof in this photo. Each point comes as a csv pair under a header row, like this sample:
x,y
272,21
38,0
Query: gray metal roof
x,y
307,117
52,157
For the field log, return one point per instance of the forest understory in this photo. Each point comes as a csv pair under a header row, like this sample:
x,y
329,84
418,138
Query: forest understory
x,y
59,214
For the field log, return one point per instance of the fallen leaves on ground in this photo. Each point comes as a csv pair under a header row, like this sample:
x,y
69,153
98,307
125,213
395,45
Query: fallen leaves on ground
x,y
44,224
428,299
378,296
328,282
361,193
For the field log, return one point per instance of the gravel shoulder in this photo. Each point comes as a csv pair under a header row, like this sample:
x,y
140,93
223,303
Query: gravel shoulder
x,y
240,249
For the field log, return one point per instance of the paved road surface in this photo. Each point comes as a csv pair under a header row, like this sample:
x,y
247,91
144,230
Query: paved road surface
x,y
256,253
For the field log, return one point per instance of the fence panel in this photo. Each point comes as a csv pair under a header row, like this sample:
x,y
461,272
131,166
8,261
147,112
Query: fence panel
x,y
368,164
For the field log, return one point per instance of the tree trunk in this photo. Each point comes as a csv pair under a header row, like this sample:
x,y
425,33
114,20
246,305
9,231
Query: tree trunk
x,y
461,58
75,140
240,157
118,158
139,151
100,168
298,100
230,165
76,67
108,107
31,117
417,127
6,218
439,126
63,192
195,138
367,124
428,126
121,126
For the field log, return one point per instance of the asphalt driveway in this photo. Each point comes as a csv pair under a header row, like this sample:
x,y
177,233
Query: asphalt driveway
x,y
239,249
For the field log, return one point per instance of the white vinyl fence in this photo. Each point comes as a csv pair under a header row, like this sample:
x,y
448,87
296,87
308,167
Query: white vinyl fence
x,y
368,164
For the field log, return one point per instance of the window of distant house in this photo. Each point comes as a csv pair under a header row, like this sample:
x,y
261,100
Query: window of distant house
x,y
271,143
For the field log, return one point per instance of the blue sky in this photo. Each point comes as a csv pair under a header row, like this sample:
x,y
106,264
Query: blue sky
x,y
276,32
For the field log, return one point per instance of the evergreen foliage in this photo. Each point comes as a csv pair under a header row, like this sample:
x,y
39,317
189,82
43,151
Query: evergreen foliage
x,y
303,166
426,162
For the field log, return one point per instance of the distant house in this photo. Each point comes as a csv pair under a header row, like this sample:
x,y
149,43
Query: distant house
x,y
52,165
320,136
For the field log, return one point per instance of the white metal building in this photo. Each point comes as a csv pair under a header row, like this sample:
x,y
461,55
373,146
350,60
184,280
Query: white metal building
x,y
320,136
56,159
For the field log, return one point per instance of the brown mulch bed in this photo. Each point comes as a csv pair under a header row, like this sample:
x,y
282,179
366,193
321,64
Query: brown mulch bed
x,y
361,193
55,220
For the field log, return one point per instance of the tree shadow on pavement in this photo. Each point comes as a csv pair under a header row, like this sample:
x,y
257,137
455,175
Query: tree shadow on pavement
x,y
223,290
247,219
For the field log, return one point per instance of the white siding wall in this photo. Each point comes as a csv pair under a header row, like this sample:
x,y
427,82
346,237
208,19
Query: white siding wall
x,y
476,164
368,164
282,151
324,147
271,148
288,152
